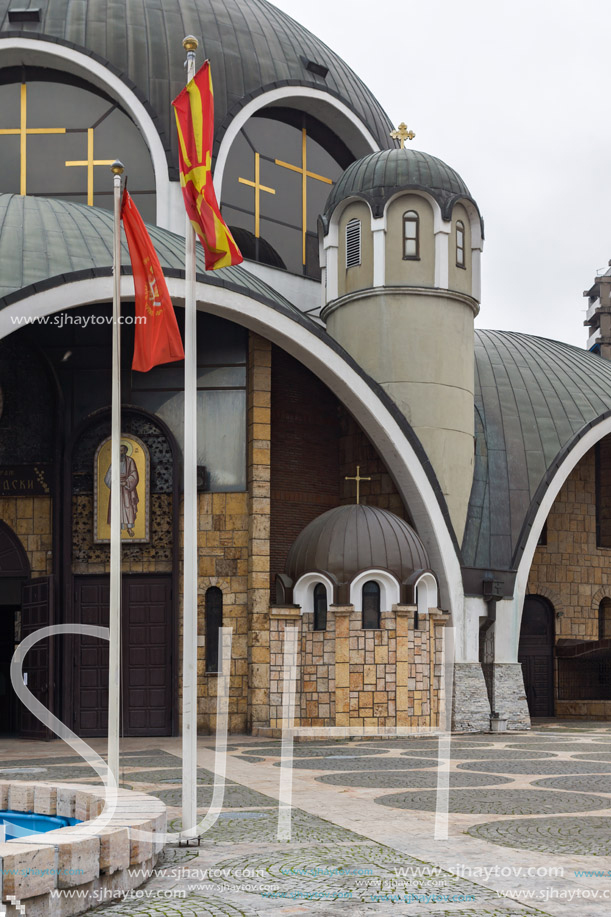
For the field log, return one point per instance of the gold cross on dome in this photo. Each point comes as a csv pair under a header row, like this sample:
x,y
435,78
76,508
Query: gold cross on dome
x,y
402,134
23,130
90,162
303,170
358,478
258,188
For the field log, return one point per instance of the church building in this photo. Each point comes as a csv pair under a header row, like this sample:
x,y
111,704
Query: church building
x,y
371,469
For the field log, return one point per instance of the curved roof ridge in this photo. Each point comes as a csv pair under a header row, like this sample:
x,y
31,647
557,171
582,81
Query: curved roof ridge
x,y
535,396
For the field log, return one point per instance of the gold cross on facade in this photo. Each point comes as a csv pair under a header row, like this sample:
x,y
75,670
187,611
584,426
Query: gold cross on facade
x,y
90,162
303,170
402,134
358,478
23,130
258,188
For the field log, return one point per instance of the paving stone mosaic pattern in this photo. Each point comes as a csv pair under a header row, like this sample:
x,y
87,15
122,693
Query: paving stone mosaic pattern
x,y
345,764
599,783
537,768
492,802
409,779
583,836
505,754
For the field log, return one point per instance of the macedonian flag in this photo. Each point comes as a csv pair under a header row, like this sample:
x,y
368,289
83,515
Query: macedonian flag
x,y
194,110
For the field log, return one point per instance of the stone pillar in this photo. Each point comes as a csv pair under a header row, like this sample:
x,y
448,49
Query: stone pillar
x,y
280,617
259,482
470,704
342,663
405,624
508,694
437,620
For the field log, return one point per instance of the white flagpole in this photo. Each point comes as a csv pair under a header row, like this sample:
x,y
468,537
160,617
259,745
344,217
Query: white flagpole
x,y
189,651
114,648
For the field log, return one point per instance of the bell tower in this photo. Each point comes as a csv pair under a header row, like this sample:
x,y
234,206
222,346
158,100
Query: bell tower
x,y
401,245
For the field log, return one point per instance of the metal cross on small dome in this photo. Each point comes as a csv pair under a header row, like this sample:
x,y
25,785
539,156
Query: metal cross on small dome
x,y
358,480
402,134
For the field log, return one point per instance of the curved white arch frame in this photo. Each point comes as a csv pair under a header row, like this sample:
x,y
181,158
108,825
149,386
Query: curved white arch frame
x,y
390,591
286,94
426,593
509,611
352,390
45,53
303,591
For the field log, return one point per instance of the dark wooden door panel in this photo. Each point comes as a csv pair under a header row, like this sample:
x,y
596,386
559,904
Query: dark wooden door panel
x,y
535,653
146,676
37,612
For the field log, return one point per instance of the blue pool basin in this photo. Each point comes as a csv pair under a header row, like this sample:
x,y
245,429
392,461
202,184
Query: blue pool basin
x,y
23,824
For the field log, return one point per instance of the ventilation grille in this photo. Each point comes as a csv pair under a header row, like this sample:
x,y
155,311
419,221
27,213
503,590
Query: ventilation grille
x,y
353,243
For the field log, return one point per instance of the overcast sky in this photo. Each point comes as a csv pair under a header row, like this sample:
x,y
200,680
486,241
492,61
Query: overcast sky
x,y
514,96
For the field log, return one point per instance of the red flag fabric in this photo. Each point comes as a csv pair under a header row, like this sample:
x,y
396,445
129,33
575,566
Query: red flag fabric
x,y
156,340
194,110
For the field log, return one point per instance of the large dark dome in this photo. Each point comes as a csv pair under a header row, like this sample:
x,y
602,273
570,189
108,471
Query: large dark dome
x,y
377,177
348,539
253,47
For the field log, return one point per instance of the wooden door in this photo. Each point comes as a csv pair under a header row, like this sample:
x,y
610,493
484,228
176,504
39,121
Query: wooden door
x,y
38,668
146,651
536,653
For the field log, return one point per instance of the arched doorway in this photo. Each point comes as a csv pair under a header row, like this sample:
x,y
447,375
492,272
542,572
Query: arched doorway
x,y
536,654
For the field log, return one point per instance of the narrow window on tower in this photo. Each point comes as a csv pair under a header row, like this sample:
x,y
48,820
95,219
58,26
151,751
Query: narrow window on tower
x,y
353,243
214,621
371,606
411,236
320,607
460,244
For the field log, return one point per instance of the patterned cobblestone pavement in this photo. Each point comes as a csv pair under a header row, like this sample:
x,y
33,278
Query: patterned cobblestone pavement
x,y
409,779
327,869
585,836
507,802
537,767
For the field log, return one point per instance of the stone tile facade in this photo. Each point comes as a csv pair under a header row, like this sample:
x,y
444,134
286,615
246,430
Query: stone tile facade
x,y
31,520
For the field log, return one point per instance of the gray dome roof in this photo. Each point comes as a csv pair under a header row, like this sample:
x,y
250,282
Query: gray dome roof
x,y
375,178
252,45
534,400
348,539
68,242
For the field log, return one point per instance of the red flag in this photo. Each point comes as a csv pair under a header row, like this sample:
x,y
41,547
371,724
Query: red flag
x,y
194,110
156,340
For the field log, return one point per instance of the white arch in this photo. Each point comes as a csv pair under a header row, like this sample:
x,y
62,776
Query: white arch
x,y
509,611
390,591
303,592
358,134
59,57
377,420
426,593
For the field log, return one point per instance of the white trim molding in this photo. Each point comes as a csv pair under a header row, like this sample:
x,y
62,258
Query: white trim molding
x,y
341,119
303,591
390,591
37,52
426,593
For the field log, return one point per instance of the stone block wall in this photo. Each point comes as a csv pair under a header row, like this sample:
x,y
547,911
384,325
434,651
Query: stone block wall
x,y
351,677
571,571
31,520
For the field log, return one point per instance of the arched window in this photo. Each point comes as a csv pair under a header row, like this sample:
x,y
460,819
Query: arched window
x,y
371,606
320,607
411,236
460,244
214,621
604,619
353,243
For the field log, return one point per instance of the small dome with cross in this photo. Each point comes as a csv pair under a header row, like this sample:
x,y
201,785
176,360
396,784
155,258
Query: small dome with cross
x,y
379,176
345,541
